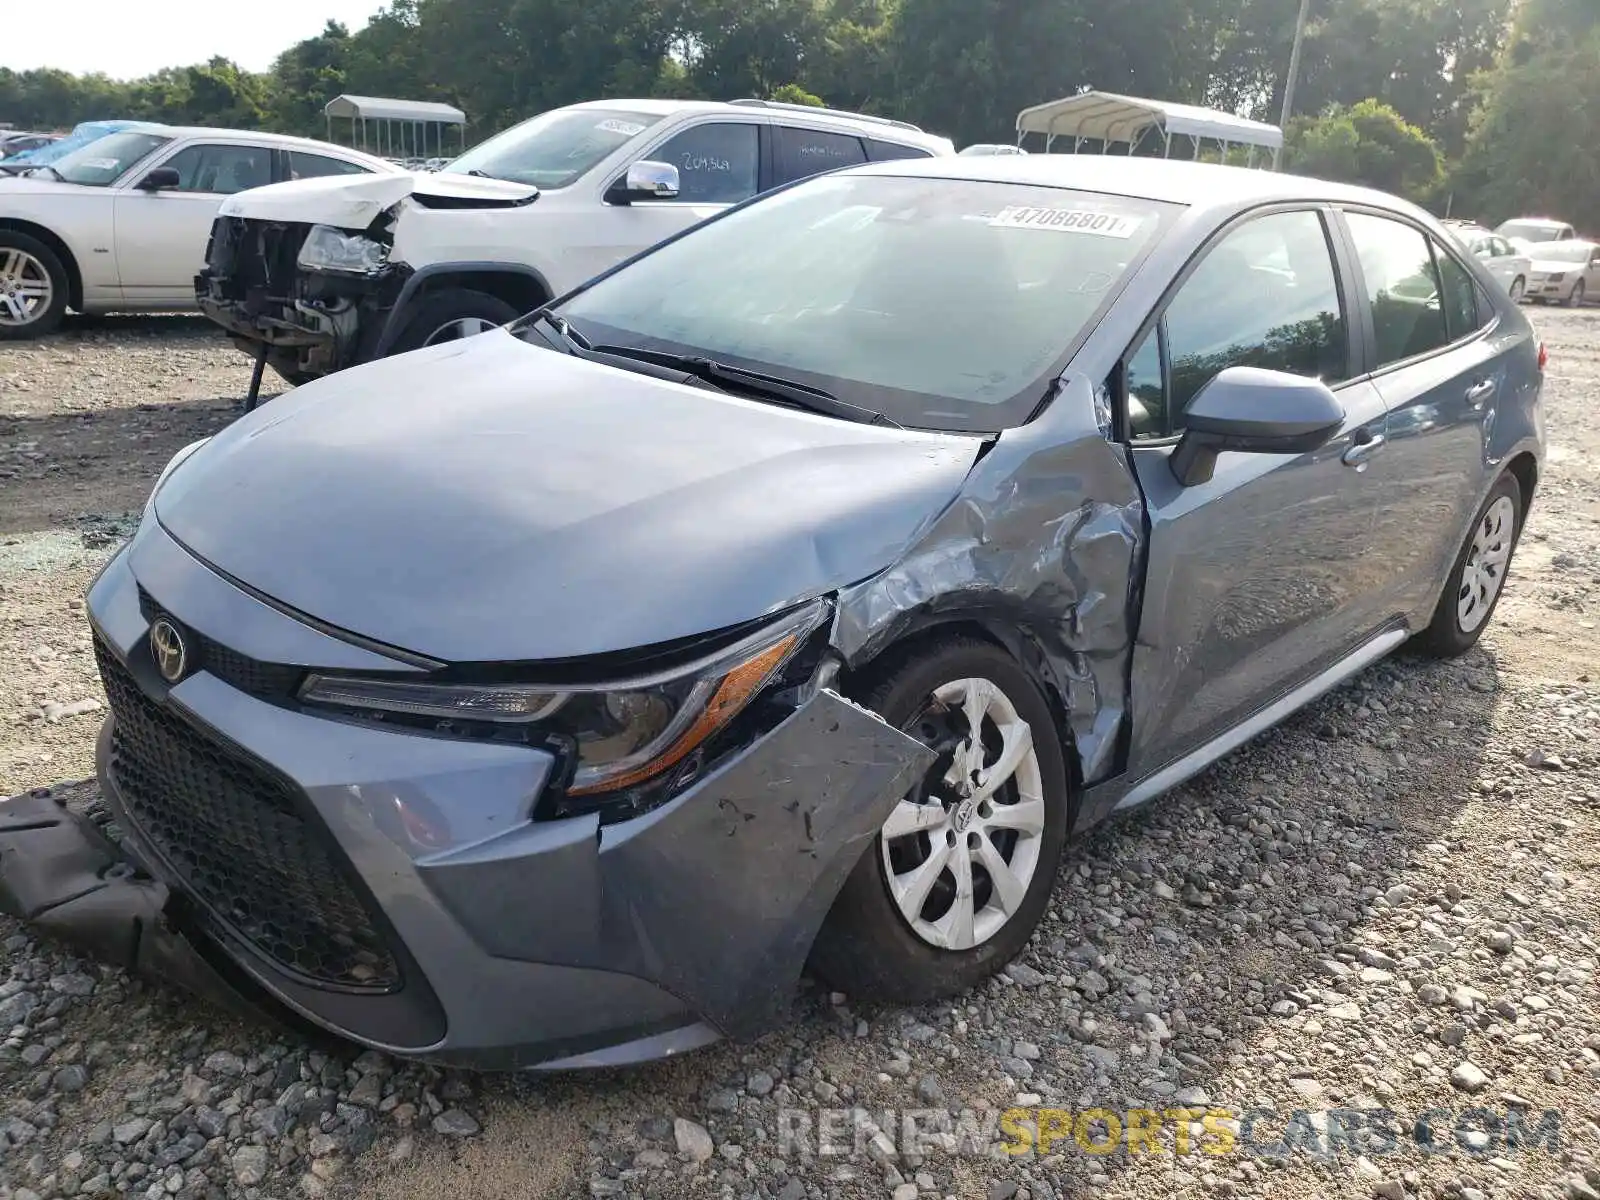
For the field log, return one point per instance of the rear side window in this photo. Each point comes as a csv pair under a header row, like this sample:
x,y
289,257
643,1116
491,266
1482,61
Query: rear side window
x,y
1463,313
1265,295
889,151
805,152
717,162
311,166
1402,287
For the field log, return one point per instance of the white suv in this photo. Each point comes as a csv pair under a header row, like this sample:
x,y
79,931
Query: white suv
x,y
315,276
121,222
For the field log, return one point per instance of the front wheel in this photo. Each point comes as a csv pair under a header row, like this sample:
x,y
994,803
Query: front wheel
x,y
1577,296
959,875
1479,575
33,287
450,314
1518,287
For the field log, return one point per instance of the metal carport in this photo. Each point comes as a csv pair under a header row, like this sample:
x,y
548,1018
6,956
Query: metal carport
x,y
392,120
1111,119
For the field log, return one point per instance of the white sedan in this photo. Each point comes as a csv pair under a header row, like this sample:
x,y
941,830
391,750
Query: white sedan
x,y
1507,261
122,223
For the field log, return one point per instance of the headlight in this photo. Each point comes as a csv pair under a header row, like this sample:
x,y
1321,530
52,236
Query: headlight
x,y
330,249
622,733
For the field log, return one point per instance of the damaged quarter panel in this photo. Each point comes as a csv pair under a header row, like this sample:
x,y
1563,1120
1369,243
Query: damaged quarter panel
x,y
1042,549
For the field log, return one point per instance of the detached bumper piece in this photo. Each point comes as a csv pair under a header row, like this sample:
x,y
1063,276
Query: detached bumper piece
x,y
62,874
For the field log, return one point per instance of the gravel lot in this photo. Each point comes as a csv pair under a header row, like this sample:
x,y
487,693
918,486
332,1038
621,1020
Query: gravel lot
x,y
1388,903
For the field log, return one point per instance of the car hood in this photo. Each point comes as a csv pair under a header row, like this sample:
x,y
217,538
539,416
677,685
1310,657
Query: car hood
x,y
353,201
38,187
1549,267
492,500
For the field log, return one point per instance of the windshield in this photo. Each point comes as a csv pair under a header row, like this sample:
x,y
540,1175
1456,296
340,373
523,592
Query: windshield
x,y
1565,252
555,148
1530,231
939,303
103,161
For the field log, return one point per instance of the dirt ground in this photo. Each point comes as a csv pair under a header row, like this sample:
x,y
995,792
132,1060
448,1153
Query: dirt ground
x,y
1432,826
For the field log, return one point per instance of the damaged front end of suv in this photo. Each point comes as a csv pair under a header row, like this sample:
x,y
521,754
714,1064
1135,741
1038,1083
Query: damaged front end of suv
x,y
304,275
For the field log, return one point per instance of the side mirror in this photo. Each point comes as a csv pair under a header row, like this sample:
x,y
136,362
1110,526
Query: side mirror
x,y
159,178
646,180
1254,411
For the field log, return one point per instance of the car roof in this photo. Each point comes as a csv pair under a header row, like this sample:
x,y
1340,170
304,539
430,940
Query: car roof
x,y
1547,222
861,123
1196,185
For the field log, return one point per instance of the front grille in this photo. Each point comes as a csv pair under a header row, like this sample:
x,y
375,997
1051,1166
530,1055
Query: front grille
x,y
253,260
268,681
229,827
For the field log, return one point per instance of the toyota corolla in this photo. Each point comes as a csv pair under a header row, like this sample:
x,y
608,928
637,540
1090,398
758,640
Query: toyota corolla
x,y
794,593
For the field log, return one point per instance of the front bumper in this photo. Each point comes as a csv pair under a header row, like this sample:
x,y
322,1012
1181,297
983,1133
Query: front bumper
x,y
1544,289
514,942
310,324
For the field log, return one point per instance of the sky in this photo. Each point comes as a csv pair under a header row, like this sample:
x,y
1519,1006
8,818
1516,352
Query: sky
x,y
129,38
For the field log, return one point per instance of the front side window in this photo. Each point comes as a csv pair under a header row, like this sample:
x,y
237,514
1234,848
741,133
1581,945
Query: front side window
x,y
105,160
311,166
555,148
223,169
1402,287
717,162
1265,295
943,304
802,153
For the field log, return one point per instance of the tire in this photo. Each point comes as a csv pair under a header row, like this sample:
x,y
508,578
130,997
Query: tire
x,y
432,321
1519,286
1578,295
1494,532
32,279
867,947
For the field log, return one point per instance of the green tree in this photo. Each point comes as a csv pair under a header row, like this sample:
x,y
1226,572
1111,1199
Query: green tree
x,y
1368,143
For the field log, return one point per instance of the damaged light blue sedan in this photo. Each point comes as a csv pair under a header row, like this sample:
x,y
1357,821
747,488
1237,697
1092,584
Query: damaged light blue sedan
x,y
794,593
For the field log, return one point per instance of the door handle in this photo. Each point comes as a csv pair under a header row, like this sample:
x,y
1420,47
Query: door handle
x,y
1359,452
1480,392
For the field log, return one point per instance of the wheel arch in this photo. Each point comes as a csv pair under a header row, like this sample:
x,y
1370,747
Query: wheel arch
x,y
921,629
69,261
1524,468
522,287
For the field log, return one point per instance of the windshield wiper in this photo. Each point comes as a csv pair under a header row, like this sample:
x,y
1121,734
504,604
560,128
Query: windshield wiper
x,y
754,383
571,341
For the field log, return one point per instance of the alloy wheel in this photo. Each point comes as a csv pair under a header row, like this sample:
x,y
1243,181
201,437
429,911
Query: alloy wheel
x,y
960,851
1484,573
462,327
25,288
1517,288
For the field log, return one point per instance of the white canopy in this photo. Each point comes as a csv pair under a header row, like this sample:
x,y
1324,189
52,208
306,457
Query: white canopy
x,y
1106,117
377,108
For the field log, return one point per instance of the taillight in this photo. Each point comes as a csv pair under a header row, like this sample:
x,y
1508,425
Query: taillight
x,y
1544,356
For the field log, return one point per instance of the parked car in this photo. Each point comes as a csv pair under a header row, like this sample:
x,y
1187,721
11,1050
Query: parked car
x,y
20,143
1567,271
82,134
122,222
371,267
1536,229
791,592
1505,261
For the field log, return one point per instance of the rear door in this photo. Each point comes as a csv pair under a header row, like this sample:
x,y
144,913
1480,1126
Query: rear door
x,y
799,153
1264,575
160,237
1440,373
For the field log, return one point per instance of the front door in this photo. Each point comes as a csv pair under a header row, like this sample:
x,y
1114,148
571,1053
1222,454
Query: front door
x,y
719,164
1263,575
161,235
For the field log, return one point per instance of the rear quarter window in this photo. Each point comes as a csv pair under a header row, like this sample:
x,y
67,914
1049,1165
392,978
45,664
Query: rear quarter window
x,y
890,151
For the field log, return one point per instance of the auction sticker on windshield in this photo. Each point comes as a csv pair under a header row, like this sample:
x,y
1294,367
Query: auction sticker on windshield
x,y
625,128
1067,220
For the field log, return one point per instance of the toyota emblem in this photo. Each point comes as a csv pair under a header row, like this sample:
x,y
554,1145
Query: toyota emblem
x,y
168,649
